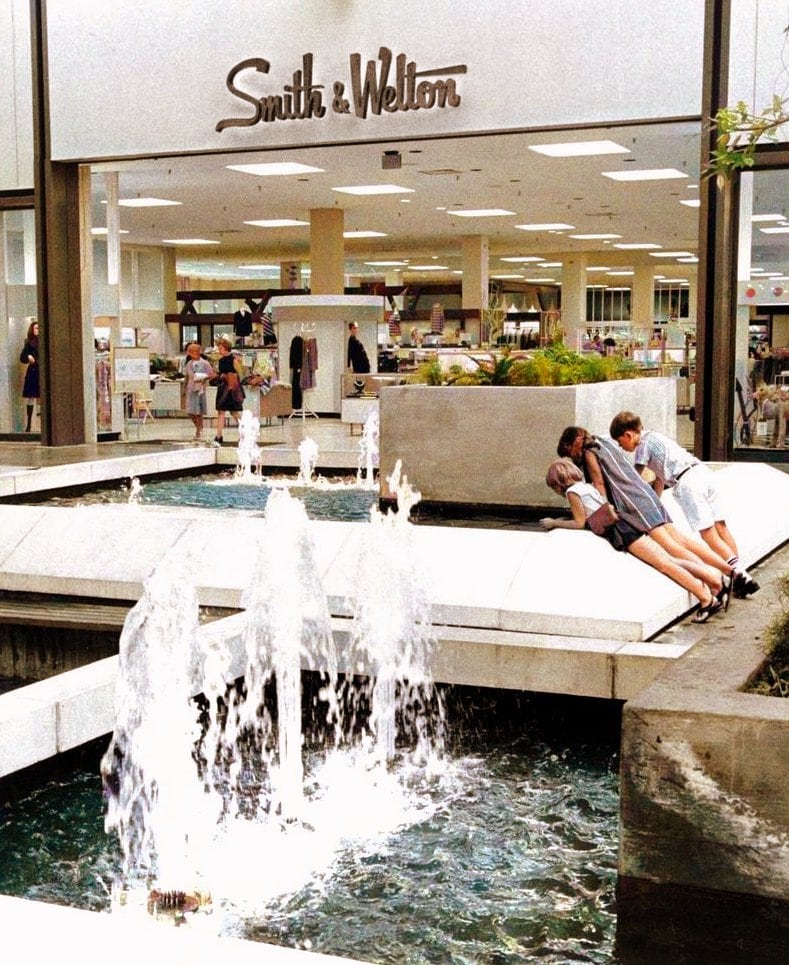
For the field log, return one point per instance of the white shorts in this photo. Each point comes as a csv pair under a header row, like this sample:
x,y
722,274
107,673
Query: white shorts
x,y
698,497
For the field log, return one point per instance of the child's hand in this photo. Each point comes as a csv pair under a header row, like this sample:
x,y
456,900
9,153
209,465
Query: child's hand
x,y
547,523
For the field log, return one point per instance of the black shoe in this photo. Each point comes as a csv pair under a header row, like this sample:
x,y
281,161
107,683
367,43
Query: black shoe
x,y
705,612
744,586
723,596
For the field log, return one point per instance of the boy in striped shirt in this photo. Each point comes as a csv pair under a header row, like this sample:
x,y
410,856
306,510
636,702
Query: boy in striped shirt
x,y
692,484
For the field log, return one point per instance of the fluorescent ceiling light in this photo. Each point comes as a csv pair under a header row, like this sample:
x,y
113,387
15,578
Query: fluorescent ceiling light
x,y
550,264
775,231
579,149
693,260
365,189
673,281
189,241
482,213
428,267
275,168
620,273
597,286
541,281
598,268
503,277
619,288
364,234
386,264
548,226
692,203
104,231
646,174
145,202
593,237
670,254
278,223
767,217
636,246
258,267
524,258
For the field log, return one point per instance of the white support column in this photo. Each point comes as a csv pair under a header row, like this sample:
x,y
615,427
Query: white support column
x,y
574,281
476,276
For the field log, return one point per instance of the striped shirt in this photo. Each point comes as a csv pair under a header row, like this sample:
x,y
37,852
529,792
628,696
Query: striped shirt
x,y
666,458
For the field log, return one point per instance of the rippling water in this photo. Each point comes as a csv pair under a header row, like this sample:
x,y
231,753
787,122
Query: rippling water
x,y
514,859
335,499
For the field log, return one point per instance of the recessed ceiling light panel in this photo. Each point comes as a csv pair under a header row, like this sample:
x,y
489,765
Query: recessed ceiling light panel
x,y
278,223
579,149
651,174
482,213
547,226
145,202
364,234
189,241
275,169
636,246
369,189
595,237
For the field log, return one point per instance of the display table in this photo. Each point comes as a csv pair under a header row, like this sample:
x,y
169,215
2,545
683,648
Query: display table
x,y
355,412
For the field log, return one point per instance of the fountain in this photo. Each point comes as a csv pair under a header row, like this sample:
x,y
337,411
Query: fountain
x,y
248,452
368,450
308,460
187,781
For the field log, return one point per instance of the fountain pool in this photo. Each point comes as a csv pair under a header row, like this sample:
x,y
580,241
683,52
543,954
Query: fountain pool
x,y
513,860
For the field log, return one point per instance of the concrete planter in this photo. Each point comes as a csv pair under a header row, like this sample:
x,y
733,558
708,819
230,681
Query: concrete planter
x,y
704,804
491,445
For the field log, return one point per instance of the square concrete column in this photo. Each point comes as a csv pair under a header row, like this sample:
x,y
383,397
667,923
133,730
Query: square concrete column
x,y
327,251
574,298
642,305
476,271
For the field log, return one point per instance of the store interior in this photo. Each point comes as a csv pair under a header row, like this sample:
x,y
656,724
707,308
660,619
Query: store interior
x,y
184,245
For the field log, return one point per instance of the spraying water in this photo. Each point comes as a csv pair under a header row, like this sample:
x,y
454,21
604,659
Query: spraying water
x,y
248,453
308,460
368,451
203,795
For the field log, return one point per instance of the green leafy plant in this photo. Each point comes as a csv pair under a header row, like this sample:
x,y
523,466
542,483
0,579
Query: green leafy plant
x,y
773,681
739,131
554,365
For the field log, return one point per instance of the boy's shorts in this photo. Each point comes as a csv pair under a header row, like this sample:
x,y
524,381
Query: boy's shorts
x,y
698,497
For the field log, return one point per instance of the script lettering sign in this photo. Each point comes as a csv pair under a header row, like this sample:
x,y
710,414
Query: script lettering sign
x,y
385,86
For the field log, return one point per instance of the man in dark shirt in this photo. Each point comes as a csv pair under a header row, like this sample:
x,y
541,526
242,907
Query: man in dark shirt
x,y
357,357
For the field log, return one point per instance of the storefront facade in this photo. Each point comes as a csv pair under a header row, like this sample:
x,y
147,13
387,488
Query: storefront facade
x,y
138,79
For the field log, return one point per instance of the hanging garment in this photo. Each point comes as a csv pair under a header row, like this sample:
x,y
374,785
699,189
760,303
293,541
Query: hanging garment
x,y
309,365
242,324
296,361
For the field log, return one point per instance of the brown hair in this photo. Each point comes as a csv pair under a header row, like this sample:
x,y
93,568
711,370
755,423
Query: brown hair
x,y
562,473
623,422
569,436
226,342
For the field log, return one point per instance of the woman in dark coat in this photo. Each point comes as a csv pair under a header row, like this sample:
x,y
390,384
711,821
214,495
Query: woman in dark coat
x,y
31,390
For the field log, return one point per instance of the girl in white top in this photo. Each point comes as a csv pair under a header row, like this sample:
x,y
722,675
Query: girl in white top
x,y
704,582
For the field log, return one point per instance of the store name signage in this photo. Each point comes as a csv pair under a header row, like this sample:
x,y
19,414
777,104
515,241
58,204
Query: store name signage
x,y
387,85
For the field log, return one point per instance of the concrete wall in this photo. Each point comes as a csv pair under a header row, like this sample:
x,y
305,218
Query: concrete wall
x,y
492,444
704,794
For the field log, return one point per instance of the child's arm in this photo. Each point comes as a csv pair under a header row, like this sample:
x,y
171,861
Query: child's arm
x,y
594,472
650,478
577,522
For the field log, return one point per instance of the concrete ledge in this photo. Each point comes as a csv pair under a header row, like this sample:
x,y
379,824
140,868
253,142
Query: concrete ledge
x,y
704,790
49,932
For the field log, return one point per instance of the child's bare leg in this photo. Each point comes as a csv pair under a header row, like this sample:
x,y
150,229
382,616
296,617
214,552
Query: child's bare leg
x,y
649,551
713,537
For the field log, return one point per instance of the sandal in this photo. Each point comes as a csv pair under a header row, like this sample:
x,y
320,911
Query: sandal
x,y
705,612
723,596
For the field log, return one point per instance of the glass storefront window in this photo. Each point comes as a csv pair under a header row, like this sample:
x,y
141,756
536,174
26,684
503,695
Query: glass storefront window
x,y
762,350
18,311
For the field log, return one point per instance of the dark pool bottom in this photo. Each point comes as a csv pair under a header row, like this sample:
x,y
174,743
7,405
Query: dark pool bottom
x,y
517,860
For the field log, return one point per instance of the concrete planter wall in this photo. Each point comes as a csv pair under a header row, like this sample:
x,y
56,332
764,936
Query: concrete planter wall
x,y
492,444
705,800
